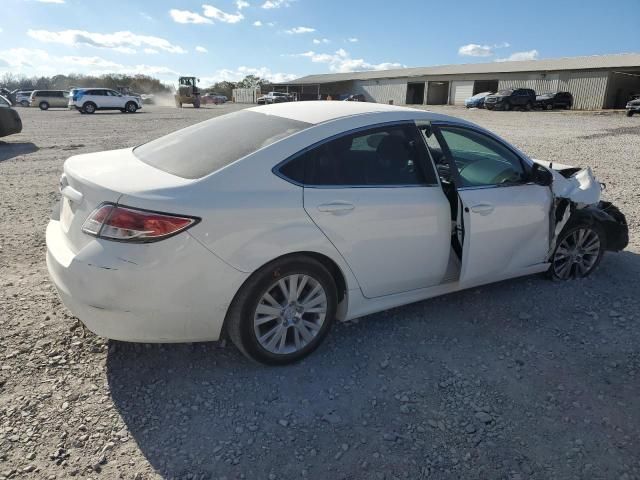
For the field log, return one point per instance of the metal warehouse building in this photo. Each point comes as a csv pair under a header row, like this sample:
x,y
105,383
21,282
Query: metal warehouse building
x,y
599,81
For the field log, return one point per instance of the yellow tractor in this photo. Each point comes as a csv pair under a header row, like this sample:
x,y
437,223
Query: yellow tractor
x,y
188,92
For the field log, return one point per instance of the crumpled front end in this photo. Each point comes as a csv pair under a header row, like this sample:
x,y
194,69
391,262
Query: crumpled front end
x,y
577,196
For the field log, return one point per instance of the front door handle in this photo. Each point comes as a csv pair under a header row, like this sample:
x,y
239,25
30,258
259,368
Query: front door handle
x,y
483,208
336,207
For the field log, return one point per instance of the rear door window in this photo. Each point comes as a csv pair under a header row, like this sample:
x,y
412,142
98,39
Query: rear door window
x,y
206,147
384,156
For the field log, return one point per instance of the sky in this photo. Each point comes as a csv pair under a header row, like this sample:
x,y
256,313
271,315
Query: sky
x,y
284,39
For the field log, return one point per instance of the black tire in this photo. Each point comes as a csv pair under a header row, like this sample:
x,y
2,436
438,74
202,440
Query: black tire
x,y
555,270
131,107
507,106
44,106
24,103
529,106
89,107
550,106
239,323
630,113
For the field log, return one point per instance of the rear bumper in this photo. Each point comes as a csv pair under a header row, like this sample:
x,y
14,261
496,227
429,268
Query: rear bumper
x,y
170,291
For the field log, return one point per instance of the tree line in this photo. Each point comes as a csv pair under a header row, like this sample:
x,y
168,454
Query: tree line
x,y
137,83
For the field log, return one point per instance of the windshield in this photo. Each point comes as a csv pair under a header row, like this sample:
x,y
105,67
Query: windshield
x,y
206,147
505,92
481,95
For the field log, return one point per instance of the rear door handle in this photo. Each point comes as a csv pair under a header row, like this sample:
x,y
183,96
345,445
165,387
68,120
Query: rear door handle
x,y
483,208
336,207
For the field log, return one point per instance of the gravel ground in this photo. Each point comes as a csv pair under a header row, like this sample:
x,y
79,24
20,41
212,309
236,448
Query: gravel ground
x,y
521,379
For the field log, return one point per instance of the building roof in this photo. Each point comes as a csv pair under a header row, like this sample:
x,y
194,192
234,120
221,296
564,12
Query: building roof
x,y
622,60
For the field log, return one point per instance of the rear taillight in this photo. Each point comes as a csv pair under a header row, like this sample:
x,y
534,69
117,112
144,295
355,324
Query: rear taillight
x,y
126,224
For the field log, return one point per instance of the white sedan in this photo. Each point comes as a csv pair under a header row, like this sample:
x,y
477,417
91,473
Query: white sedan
x,y
298,214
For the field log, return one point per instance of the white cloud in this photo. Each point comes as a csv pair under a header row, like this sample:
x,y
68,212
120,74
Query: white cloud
x,y
520,56
341,61
257,23
151,51
318,41
147,17
475,50
124,42
298,30
30,61
185,16
201,49
242,4
213,12
275,4
231,75
59,2
352,39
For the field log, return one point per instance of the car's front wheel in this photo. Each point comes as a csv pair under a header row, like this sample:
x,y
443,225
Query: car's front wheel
x,y
131,107
284,311
24,103
44,106
629,113
579,249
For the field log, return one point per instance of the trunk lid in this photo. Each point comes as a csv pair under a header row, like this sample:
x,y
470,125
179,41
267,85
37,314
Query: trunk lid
x,y
91,179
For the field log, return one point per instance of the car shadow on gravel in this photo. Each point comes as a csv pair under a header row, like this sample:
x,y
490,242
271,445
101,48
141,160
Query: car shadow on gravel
x,y
204,410
11,150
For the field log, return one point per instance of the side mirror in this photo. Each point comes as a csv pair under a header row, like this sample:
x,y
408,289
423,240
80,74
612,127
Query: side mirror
x,y
541,176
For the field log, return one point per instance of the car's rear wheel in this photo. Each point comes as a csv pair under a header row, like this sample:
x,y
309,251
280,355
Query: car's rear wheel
x,y
284,311
550,106
507,106
44,106
24,103
578,251
89,107
131,107
630,113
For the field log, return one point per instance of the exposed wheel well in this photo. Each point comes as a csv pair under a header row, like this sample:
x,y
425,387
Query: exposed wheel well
x,y
328,263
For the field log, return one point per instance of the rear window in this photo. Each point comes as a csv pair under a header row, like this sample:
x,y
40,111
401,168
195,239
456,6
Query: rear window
x,y
201,149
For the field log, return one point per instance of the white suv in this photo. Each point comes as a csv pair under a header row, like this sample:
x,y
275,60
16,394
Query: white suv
x,y
91,99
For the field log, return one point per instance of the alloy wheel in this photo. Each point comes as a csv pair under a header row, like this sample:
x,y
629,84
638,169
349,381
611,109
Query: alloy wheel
x,y
577,254
290,314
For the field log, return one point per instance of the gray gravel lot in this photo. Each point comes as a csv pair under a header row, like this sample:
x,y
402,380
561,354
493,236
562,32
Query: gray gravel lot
x,y
522,379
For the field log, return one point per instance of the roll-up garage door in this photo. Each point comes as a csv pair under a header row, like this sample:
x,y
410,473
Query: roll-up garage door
x,y
460,91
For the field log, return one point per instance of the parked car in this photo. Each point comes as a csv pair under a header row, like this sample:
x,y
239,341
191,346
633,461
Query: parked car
x,y
550,100
46,99
633,105
23,97
166,242
10,121
273,97
214,98
8,95
511,98
477,101
89,100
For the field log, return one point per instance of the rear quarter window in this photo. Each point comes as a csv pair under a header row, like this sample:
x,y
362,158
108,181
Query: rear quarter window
x,y
206,147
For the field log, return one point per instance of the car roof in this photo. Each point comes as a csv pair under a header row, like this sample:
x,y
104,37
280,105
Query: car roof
x,y
321,111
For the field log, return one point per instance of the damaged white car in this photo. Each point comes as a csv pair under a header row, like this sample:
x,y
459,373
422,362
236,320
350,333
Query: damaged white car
x,y
308,212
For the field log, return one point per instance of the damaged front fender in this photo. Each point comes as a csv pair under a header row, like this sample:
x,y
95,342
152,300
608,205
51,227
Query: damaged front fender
x,y
576,195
